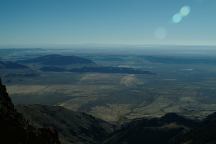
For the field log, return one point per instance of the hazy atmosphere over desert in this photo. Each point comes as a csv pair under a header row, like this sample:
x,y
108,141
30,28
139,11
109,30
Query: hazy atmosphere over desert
x,y
107,72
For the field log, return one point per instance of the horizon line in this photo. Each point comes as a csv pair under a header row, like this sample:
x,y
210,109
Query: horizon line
x,y
96,45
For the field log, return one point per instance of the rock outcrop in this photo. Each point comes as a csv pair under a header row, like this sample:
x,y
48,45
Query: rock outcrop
x,y
14,129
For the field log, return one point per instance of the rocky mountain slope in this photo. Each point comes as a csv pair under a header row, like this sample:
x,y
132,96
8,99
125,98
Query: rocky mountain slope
x,y
80,128
169,129
16,130
165,130
73,127
204,134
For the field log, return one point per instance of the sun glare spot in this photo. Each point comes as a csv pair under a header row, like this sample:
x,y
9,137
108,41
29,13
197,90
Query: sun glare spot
x,y
177,18
185,11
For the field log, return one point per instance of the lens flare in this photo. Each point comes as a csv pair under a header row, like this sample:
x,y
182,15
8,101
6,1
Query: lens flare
x,y
185,11
177,18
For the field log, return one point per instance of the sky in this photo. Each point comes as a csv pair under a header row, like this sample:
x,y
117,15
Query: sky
x,y
41,23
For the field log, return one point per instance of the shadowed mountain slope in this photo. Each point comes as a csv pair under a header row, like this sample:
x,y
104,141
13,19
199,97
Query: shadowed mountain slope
x,y
169,129
16,130
73,127
204,134
164,130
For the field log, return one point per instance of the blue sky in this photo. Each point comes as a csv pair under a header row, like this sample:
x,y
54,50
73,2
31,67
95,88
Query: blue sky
x,y
40,23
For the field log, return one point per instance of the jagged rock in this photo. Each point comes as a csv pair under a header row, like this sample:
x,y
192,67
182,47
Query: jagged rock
x,y
14,129
73,127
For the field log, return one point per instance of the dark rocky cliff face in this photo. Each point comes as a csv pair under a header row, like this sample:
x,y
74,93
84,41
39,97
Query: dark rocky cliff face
x,y
169,129
14,129
73,127
204,134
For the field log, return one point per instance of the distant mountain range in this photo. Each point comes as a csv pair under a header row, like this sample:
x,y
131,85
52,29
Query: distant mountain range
x,y
97,69
56,60
59,63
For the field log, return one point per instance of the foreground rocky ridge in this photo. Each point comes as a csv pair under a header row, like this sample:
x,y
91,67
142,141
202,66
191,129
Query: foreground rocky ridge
x,y
16,130
168,129
73,127
80,128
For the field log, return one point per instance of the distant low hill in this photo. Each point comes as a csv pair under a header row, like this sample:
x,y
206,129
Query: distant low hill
x,y
59,63
98,69
180,60
12,71
11,65
55,59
